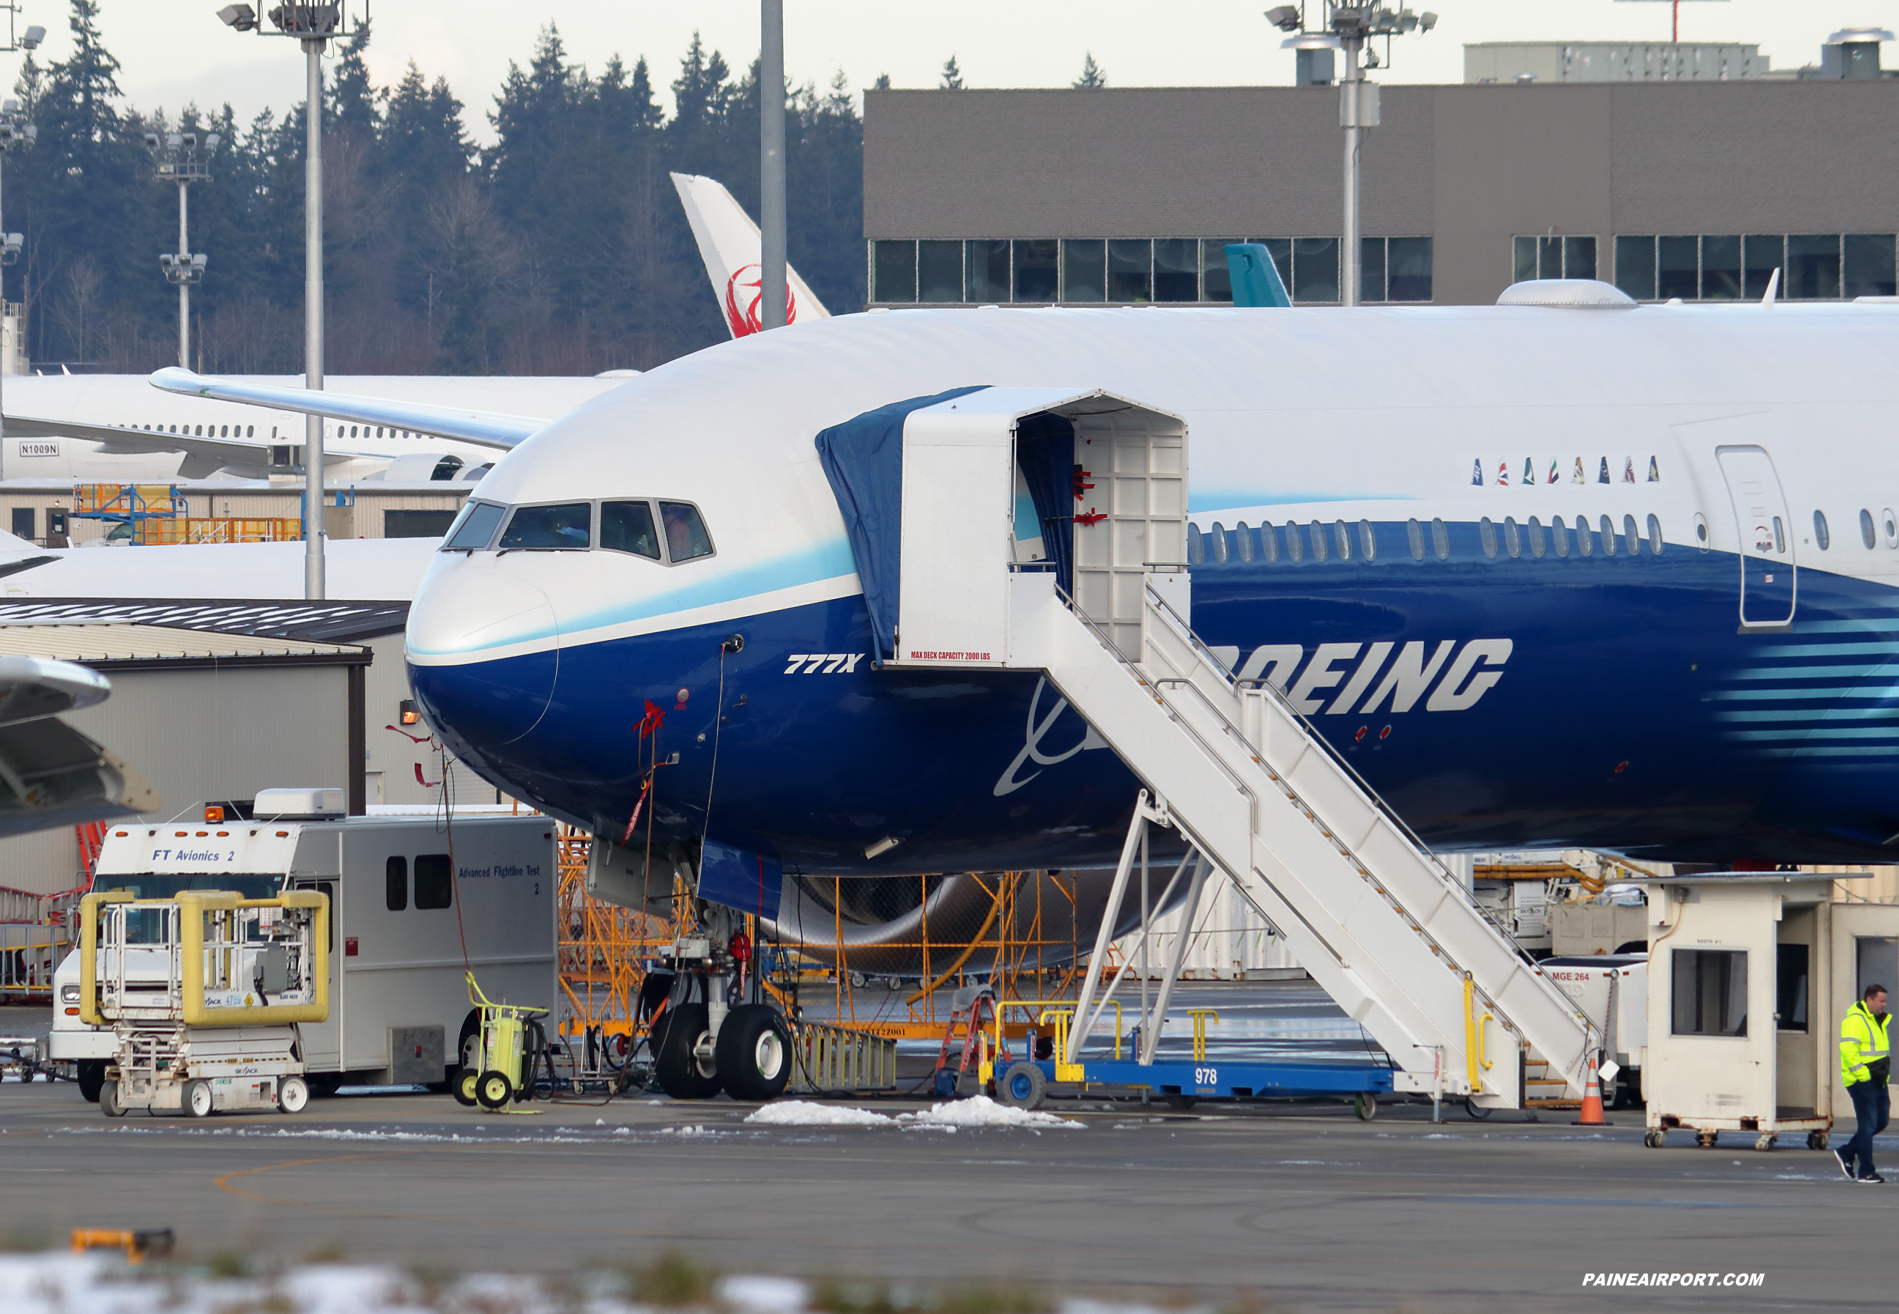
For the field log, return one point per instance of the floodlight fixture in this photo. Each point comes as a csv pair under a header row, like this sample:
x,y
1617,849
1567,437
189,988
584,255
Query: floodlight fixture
x,y
34,35
241,17
1350,26
11,245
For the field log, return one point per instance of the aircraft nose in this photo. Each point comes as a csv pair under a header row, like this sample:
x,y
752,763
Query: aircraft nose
x,y
482,644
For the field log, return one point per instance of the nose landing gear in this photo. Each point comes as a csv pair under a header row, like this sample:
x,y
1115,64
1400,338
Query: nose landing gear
x,y
729,1037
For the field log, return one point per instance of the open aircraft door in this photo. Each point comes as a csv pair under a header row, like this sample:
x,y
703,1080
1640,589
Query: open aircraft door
x,y
928,491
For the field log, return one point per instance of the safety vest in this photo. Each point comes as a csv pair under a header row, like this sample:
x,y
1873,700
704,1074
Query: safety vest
x,y
1863,1039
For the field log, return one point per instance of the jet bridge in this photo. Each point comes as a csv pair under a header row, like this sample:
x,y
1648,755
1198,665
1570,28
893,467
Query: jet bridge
x,y
932,489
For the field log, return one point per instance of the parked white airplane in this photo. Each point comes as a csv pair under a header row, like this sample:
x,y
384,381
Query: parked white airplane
x,y
114,428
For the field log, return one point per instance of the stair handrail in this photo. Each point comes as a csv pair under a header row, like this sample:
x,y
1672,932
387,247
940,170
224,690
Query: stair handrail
x,y
1313,736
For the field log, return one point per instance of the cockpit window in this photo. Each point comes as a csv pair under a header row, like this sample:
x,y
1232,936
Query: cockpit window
x,y
476,527
628,527
686,535
568,525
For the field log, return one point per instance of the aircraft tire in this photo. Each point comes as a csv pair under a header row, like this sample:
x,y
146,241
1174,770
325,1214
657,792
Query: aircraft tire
x,y
753,1054
678,1069
91,1078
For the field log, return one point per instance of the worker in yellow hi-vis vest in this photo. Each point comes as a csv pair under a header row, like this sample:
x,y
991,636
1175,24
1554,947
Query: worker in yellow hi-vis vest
x,y
1865,1066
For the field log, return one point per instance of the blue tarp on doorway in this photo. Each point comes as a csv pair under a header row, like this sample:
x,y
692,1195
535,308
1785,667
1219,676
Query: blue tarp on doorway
x,y
863,459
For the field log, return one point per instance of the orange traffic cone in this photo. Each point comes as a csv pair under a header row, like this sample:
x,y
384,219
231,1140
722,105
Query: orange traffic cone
x,y
1592,1101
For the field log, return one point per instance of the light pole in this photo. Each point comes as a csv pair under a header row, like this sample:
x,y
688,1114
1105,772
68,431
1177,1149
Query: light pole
x,y
313,25
771,163
178,160
16,134
1352,26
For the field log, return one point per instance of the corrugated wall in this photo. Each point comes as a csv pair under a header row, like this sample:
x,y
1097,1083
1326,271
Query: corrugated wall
x,y
198,735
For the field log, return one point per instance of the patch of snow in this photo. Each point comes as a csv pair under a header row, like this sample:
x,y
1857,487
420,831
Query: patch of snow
x,y
981,1111
804,1113
762,1295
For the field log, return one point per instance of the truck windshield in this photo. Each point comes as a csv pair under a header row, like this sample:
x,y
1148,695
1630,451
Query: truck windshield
x,y
144,926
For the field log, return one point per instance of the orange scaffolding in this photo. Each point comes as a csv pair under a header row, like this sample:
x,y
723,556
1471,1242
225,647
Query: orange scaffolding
x,y
603,951
1023,955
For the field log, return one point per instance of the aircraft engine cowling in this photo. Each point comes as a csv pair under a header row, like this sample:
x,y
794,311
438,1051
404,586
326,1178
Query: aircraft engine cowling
x,y
879,925
430,467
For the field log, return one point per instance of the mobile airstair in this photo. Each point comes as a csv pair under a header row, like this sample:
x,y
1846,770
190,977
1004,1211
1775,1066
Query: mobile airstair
x,y
1366,909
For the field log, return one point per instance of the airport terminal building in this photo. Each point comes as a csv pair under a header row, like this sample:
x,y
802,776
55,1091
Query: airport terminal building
x,y
1689,189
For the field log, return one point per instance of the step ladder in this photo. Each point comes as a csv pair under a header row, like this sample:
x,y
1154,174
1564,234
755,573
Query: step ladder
x,y
1365,907
967,1038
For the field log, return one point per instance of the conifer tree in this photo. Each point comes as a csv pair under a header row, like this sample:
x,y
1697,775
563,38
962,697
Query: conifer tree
x,y
1092,78
952,76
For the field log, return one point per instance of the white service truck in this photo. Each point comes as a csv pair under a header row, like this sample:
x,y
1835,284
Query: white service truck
x,y
413,904
1612,990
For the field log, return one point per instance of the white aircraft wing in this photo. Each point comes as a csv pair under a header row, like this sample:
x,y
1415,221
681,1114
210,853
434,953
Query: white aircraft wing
x,y
730,246
483,428
50,774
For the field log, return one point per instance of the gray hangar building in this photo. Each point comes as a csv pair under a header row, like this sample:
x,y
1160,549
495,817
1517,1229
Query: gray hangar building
x,y
1691,189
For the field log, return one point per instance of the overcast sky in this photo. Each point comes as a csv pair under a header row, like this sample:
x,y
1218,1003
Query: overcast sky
x,y
174,51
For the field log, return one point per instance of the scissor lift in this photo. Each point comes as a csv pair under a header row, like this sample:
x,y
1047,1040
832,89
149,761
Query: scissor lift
x,y
204,993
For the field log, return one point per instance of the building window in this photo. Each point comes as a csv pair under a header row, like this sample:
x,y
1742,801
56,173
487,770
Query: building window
x,y
1813,267
1036,269
1394,269
894,272
1868,264
939,271
1130,271
1720,268
986,273
1082,273
1315,268
1554,257
1176,264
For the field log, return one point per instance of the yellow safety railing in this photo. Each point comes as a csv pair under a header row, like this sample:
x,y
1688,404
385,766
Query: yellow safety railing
x,y
1475,1062
1200,1016
206,965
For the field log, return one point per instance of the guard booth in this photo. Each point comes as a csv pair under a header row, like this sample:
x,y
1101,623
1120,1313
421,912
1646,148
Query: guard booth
x,y
1749,975
947,497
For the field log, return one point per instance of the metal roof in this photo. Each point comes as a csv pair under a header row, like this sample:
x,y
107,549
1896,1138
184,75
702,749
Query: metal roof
x,y
332,622
116,644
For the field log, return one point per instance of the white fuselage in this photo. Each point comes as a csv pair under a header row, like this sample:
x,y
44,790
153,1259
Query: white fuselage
x,y
130,401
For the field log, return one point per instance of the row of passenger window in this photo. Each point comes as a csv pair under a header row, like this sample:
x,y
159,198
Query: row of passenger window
x,y
615,526
1341,541
1868,531
434,882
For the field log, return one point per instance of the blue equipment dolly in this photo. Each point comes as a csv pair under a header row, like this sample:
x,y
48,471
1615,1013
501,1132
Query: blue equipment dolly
x,y
1024,1082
